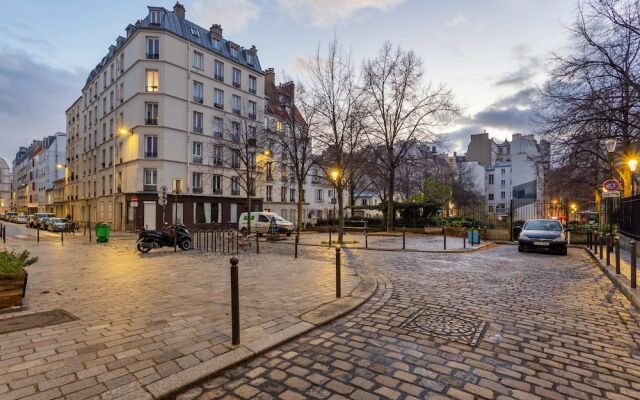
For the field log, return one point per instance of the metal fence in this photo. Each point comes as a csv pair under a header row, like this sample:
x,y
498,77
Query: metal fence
x,y
629,216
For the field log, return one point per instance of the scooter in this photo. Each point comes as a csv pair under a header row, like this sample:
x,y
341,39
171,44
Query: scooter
x,y
148,240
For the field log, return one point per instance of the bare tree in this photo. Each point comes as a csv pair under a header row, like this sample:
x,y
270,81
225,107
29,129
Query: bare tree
x,y
336,100
402,108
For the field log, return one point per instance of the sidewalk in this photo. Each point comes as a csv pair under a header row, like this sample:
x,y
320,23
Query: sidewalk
x,y
623,280
149,324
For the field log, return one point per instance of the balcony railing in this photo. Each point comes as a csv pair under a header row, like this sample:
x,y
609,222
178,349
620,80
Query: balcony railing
x,y
236,84
153,56
252,90
197,190
217,191
251,141
236,111
151,121
150,188
217,163
197,129
198,99
152,88
235,192
197,159
150,154
252,116
218,77
219,106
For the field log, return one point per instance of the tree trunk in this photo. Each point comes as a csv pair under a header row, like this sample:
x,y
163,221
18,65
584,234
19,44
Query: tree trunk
x,y
340,213
390,212
300,200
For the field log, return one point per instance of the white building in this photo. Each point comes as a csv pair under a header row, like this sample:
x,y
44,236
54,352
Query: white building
x,y
507,171
5,186
163,106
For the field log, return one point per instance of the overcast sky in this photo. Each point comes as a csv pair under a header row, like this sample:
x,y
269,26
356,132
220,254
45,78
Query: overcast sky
x,y
490,52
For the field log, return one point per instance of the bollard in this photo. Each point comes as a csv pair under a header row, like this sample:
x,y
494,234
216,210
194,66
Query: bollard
x,y
215,241
366,239
338,277
89,233
616,245
4,234
329,237
601,237
62,237
237,242
595,243
403,239
175,240
608,240
257,243
295,254
235,303
84,232
634,269
589,238
444,235
464,238
38,234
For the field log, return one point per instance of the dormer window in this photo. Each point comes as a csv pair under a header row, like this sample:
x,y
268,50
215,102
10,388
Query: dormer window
x,y
154,17
250,58
195,32
234,52
216,44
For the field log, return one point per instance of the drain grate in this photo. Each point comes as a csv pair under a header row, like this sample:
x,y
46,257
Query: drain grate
x,y
446,326
35,320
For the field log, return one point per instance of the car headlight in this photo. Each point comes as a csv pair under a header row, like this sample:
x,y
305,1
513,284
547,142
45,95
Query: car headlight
x,y
524,237
559,239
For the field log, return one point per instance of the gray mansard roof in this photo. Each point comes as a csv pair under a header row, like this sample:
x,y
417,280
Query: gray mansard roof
x,y
181,27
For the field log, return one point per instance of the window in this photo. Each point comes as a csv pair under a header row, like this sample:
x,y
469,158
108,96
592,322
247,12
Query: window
x,y
218,70
196,179
269,193
490,179
111,100
112,73
502,171
121,62
250,58
218,99
252,186
253,84
104,80
235,186
502,195
197,122
234,52
121,92
150,179
198,60
292,195
154,17
216,182
216,44
251,109
269,170
104,106
153,48
202,213
502,182
195,32
150,146
279,126
111,128
283,194
197,92
151,113
218,126
490,196
236,77
217,155
235,104
235,131
196,151
104,132
235,158
152,80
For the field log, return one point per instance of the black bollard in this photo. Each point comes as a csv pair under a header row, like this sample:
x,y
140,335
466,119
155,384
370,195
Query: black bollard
x,y
175,240
601,246
595,243
295,252
38,234
634,269
235,303
4,234
589,237
62,237
403,239
257,243
329,237
338,275
89,233
444,236
616,245
366,239
237,242
464,238
608,249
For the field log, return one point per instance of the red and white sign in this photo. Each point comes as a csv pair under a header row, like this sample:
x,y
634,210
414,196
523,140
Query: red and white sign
x,y
610,185
134,201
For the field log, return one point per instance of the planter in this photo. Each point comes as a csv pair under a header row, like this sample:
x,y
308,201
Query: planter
x,y
12,289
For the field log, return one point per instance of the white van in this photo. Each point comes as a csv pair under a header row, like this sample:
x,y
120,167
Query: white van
x,y
261,221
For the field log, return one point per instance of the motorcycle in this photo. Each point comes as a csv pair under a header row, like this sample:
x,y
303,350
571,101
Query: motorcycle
x,y
148,240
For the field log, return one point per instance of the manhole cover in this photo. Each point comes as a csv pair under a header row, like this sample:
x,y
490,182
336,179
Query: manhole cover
x,y
35,320
446,326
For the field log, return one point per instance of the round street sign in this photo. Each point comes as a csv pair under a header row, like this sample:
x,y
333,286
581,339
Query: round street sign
x,y
162,201
610,185
134,201
333,200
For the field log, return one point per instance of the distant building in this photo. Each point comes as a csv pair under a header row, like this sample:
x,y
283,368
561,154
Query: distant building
x,y
507,171
5,186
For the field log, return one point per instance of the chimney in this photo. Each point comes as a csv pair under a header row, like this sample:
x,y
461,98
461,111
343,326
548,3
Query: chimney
x,y
216,30
179,10
253,48
269,78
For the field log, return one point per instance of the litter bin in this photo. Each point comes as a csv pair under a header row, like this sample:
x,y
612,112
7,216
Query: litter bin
x,y
474,236
102,232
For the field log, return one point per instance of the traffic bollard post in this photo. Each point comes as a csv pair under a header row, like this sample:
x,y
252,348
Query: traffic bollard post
x,y
295,255
634,269
38,234
235,303
444,235
257,243
403,239
464,238
601,246
62,237
608,250
329,237
616,245
338,275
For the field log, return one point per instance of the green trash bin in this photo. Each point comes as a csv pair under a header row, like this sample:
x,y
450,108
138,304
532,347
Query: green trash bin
x,y
102,232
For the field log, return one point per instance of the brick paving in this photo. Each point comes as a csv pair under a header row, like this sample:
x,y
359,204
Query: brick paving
x,y
142,318
549,327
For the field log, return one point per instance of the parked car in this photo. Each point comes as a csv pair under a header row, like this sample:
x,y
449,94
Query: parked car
x,y
543,235
9,215
57,224
30,219
261,221
37,222
22,219
43,223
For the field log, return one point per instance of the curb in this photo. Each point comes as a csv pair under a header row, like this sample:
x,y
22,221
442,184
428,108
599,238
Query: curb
x,y
620,281
485,246
324,314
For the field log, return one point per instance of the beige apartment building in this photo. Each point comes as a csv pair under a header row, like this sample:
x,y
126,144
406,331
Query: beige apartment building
x,y
163,109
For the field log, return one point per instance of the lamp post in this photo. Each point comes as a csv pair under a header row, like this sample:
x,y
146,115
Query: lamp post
x,y
611,147
633,164
335,174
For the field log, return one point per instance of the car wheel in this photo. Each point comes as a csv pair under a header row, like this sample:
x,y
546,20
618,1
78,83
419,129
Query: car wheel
x,y
564,252
288,234
243,231
520,250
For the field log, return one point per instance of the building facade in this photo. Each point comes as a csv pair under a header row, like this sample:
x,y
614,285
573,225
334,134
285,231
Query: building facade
x,y
163,108
35,168
6,185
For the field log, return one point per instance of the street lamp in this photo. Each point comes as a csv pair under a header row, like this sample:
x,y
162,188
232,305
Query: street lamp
x,y
633,164
335,175
610,143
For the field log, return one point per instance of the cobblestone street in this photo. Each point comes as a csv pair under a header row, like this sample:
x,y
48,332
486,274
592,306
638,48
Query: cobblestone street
x,y
490,324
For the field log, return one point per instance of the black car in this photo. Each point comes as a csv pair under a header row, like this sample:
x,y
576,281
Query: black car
x,y
543,235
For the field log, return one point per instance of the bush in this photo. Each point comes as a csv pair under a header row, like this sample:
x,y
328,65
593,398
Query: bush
x,y
12,262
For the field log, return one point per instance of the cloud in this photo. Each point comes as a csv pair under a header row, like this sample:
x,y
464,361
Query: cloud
x,y
33,99
328,12
458,20
233,15
528,67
